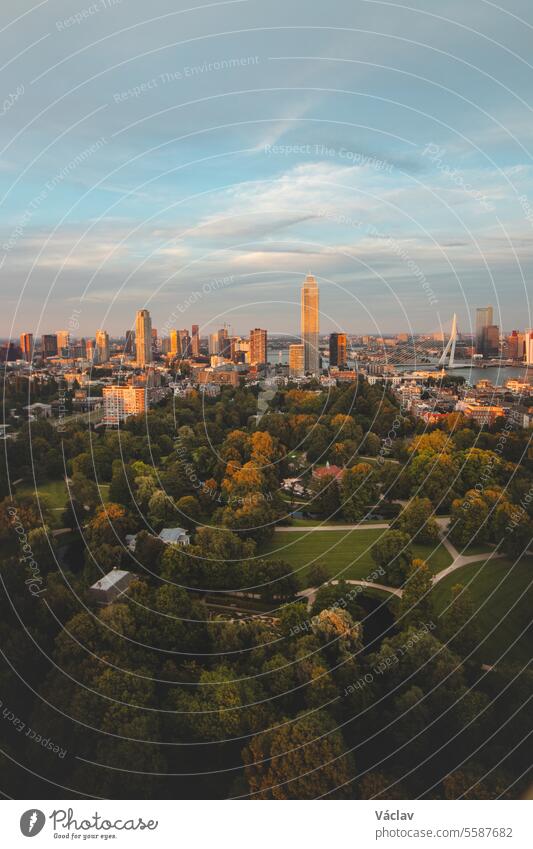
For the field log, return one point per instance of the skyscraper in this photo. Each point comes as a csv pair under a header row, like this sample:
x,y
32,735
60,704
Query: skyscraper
x,y
143,338
195,341
185,343
483,320
102,346
337,350
258,346
174,343
130,341
309,324
26,346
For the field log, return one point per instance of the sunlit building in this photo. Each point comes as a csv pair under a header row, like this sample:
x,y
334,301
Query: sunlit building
x,y
309,325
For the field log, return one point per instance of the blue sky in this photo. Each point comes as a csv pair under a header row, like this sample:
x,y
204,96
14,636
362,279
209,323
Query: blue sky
x,y
151,150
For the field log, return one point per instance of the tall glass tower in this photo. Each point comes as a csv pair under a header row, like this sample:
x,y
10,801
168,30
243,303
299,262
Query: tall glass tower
x,y
309,324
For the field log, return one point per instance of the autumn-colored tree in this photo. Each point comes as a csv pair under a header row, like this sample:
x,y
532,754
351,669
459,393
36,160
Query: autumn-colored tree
x,y
302,759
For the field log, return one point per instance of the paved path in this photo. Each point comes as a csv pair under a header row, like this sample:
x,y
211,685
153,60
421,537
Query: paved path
x,y
291,529
458,560
310,592
463,560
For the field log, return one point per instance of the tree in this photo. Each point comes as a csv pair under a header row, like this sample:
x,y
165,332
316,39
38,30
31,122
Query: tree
x,y
393,553
325,500
416,605
302,759
418,522
468,520
358,491
458,625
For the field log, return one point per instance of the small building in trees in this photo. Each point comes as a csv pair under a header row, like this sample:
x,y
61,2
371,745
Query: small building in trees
x,y
174,536
107,589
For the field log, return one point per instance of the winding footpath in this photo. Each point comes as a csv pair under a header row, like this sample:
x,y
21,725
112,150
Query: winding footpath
x,y
458,560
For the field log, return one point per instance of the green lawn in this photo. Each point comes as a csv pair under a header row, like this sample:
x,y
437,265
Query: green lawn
x,y
503,599
346,554
55,495
54,492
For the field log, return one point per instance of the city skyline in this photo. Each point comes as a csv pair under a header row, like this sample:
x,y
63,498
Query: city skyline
x,y
384,178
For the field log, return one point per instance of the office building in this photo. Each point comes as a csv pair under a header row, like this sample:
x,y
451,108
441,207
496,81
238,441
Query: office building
x,y
129,345
195,341
90,350
309,325
101,346
26,346
143,338
337,350
296,360
49,345
63,342
174,343
258,347
484,319
491,341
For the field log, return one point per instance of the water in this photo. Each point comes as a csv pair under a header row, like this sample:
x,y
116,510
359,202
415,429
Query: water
x,y
496,374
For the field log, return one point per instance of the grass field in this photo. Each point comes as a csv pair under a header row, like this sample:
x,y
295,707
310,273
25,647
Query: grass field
x,y
502,594
345,554
55,495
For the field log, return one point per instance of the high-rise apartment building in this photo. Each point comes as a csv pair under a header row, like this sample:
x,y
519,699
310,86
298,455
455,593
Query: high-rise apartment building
x,y
309,325
123,401
102,346
258,347
337,350
26,346
143,338
195,341
483,319
296,360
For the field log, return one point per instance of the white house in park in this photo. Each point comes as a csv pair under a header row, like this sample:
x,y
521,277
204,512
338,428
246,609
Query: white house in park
x,y
174,536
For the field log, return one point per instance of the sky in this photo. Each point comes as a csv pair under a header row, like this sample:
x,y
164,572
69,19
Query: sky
x,y
199,159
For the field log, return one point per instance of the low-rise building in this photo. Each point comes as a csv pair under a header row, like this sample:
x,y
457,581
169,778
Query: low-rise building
x,y
480,414
174,536
107,589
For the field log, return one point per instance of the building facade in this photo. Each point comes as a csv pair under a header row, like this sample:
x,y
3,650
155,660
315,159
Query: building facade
x,y
296,361
337,350
258,347
101,346
26,346
309,323
143,338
